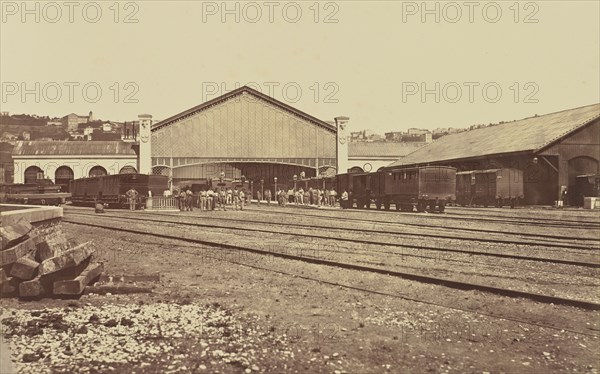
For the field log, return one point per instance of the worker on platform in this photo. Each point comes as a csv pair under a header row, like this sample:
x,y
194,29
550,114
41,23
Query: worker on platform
x,y
236,198
211,199
203,200
344,201
229,196
182,197
268,196
332,197
189,200
223,199
258,197
132,196
242,199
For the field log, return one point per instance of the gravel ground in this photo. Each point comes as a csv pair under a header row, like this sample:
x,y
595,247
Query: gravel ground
x,y
568,284
329,319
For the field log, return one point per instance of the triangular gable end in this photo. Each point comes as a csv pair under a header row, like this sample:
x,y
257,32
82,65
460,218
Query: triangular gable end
x,y
236,95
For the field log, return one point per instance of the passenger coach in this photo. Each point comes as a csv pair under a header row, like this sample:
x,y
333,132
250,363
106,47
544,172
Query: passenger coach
x,y
427,188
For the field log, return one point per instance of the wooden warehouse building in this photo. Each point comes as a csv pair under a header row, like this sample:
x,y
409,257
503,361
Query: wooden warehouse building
x,y
552,150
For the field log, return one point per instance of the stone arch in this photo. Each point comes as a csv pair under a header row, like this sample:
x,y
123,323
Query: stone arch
x,y
97,171
32,174
128,169
63,177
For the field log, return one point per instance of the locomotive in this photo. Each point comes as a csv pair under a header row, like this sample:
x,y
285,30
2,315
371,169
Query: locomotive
x,y
41,192
111,189
489,187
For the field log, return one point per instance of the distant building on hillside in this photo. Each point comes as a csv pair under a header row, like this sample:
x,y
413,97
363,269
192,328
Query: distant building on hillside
x,y
72,121
415,131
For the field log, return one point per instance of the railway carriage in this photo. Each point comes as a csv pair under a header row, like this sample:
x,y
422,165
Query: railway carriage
x,y
427,188
42,192
489,187
111,189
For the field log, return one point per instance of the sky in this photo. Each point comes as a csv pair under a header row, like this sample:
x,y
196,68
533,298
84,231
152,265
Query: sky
x,y
388,65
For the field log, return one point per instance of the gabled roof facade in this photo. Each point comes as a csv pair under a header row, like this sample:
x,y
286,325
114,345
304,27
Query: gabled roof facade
x,y
237,92
527,135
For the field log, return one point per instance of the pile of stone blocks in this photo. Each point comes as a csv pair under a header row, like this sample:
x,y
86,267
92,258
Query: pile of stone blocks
x,y
40,262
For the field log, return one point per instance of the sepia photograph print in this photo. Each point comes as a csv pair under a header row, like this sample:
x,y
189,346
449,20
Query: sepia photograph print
x,y
327,187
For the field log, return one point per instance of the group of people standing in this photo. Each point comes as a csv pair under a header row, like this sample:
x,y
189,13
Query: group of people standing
x,y
312,196
221,198
209,199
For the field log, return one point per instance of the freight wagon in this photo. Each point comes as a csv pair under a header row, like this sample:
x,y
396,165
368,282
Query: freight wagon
x,y
489,187
111,189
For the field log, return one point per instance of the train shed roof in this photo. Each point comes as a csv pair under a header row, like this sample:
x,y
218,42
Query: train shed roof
x,y
529,134
74,148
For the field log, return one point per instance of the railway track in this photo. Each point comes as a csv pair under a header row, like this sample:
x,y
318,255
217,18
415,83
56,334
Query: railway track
x,y
594,265
450,283
490,213
437,227
477,311
400,258
519,221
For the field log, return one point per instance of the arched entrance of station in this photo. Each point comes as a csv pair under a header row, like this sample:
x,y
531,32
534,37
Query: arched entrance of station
x,y
63,177
254,172
32,174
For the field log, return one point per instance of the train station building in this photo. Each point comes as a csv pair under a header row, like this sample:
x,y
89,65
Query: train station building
x,y
246,133
551,150
63,161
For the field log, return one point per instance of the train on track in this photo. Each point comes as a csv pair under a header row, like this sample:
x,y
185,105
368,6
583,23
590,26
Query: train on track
x,y
427,188
40,192
110,190
490,187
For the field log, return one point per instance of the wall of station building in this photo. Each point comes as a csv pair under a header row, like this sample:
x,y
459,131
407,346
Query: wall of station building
x,y
243,135
79,167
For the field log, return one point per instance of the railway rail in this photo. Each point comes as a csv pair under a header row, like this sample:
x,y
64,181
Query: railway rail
x,y
521,221
405,275
437,227
567,218
478,311
536,221
595,265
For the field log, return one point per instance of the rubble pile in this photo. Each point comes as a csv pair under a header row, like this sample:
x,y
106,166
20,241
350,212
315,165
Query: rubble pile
x,y
36,262
125,338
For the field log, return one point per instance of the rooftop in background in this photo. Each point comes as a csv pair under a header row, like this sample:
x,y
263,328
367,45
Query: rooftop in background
x,y
382,149
529,134
74,148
